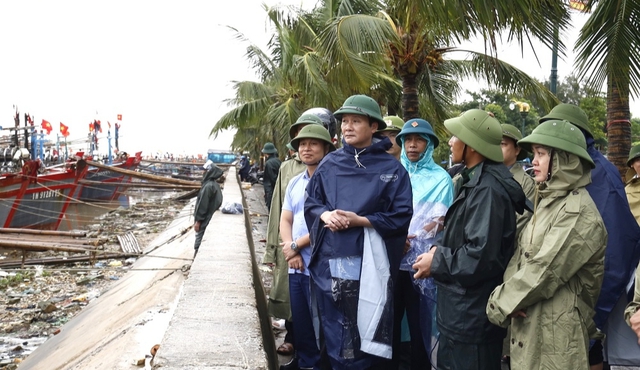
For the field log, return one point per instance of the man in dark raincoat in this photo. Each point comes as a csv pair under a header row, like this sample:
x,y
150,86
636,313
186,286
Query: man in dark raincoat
x,y
208,201
271,170
476,246
358,211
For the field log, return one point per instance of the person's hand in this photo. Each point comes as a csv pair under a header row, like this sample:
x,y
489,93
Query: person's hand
x,y
287,251
336,220
423,266
517,314
196,226
635,324
296,262
407,243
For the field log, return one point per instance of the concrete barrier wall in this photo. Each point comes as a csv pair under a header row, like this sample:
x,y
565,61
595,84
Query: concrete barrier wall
x,y
221,321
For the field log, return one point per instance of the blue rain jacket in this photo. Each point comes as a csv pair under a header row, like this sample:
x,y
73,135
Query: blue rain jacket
x,y
623,243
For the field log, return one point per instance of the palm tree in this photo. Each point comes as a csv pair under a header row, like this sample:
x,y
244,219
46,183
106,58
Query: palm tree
x,y
608,52
412,41
292,80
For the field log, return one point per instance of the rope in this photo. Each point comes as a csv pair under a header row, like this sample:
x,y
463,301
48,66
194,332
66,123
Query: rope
x,y
618,121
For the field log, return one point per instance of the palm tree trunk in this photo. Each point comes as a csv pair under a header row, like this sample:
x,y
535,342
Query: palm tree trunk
x,y
410,105
618,126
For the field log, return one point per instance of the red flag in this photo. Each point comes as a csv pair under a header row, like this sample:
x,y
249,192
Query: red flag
x,y
47,126
90,126
97,126
119,117
64,129
30,119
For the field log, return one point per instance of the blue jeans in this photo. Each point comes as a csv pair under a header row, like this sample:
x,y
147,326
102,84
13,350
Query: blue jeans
x,y
305,339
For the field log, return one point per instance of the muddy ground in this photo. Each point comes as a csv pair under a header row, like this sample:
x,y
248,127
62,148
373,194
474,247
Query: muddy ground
x,y
36,302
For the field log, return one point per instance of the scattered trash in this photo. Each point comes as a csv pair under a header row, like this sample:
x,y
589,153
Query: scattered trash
x,y
233,208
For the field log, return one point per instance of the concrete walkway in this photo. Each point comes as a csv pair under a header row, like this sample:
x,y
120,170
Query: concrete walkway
x,y
217,324
214,317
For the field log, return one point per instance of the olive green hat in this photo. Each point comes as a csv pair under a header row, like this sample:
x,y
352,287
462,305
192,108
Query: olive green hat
x,y
363,105
313,132
290,147
269,148
305,119
394,123
480,131
633,154
560,135
569,112
512,132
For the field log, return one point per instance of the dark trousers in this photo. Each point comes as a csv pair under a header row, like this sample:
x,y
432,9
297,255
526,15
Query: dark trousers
x,y
454,355
305,339
407,298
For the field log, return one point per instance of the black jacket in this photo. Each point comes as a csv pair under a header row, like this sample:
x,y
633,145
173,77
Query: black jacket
x,y
476,246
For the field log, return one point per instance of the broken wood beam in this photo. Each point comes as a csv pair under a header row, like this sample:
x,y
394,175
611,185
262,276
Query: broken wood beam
x,y
141,185
9,230
142,175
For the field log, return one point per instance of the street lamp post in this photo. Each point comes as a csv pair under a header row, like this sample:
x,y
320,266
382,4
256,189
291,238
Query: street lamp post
x,y
523,108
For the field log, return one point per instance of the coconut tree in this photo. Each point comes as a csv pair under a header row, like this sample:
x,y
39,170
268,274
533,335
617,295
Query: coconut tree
x,y
291,80
414,41
608,53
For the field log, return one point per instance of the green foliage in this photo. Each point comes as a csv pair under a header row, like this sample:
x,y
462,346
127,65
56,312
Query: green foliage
x,y
635,131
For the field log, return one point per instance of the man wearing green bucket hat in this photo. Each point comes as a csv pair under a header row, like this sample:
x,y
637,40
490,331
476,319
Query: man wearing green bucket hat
x,y
312,143
357,211
552,283
476,245
394,125
513,153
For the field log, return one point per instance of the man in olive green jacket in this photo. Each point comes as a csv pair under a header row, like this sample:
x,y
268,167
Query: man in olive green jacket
x,y
279,304
552,283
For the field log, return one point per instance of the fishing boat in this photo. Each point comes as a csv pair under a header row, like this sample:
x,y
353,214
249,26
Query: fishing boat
x,y
37,197
99,186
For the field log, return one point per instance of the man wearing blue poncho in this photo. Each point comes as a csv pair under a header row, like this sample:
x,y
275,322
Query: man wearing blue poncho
x,y
357,211
432,190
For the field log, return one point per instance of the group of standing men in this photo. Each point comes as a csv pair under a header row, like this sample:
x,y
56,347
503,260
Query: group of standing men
x,y
358,238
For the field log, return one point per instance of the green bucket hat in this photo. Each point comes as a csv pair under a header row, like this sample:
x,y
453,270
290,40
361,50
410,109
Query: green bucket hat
x,y
394,123
569,112
269,148
480,131
633,154
305,119
363,105
560,135
512,132
313,132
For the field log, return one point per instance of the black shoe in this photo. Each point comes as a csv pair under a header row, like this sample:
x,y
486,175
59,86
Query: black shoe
x,y
291,365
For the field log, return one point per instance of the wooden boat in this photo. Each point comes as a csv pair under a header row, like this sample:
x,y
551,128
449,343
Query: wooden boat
x,y
38,197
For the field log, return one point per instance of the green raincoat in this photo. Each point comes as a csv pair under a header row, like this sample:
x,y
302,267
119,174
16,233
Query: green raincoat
x,y
279,295
633,196
555,274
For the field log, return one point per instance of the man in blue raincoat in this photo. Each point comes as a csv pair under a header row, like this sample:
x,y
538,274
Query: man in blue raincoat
x,y
358,211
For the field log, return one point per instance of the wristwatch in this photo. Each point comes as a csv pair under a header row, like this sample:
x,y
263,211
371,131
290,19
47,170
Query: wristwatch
x,y
294,246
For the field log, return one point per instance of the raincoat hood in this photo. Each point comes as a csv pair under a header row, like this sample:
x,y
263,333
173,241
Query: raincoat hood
x,y
212,174
568,172
429,185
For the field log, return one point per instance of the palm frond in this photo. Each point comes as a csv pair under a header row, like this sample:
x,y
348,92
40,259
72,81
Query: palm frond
x,y
608,45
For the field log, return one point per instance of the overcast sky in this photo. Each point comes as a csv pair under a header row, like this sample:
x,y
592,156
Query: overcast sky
x,y
166,66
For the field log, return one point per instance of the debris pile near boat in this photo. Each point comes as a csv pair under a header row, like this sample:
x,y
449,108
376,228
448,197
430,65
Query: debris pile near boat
x,y
54,285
